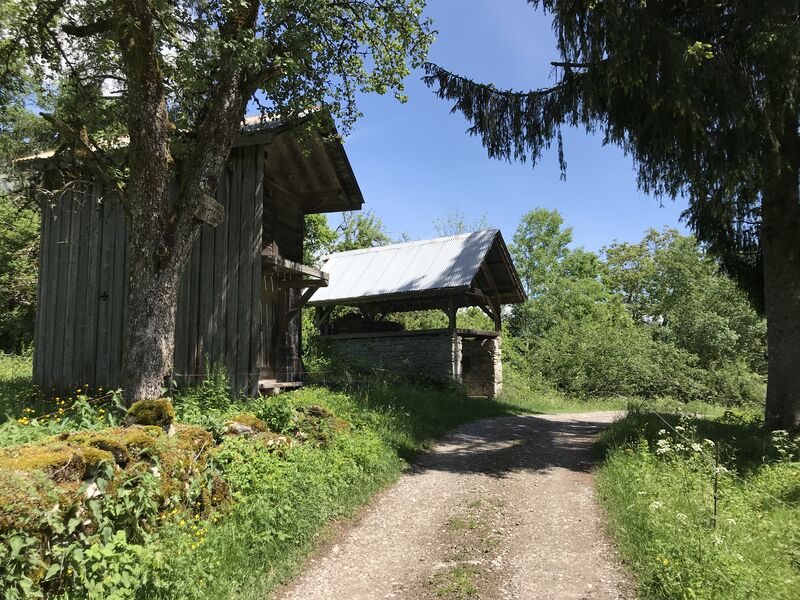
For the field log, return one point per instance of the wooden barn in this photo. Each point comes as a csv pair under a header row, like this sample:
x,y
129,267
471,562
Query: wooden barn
x,y
447,273
240,295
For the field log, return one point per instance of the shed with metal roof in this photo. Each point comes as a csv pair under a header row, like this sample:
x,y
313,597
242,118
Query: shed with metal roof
x,y
446,273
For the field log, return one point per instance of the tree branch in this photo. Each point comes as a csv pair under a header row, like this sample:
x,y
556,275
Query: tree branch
x,y
87,29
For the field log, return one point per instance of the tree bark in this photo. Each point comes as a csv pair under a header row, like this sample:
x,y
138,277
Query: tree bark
x,y
154,265
161,230
780,242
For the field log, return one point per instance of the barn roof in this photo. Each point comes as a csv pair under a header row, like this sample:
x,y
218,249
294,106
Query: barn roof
x,y
472,267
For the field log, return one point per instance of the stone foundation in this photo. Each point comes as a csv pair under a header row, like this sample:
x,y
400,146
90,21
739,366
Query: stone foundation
x,y
471,358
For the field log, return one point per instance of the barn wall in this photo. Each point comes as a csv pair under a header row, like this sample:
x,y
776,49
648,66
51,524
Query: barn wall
x,y
282,235
83,286
219,312
82,289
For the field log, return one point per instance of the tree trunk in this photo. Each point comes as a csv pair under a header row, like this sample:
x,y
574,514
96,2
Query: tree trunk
x,y
149,334
162,230
780,243
154,267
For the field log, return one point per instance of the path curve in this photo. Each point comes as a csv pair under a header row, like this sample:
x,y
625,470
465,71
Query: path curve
x,y
501,508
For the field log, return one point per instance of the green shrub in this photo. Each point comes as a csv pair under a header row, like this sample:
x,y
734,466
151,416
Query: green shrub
x,y
278,413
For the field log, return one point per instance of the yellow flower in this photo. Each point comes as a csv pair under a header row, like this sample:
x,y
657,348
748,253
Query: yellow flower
x,y
182,523
665,562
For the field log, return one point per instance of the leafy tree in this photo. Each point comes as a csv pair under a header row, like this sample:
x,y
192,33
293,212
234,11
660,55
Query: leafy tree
x,y
21,132
360,230
176,78
318,238
455,223
703,95
19,251
668,282
539,243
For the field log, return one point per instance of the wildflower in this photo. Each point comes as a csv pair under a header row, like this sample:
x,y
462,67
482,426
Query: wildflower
x,y
69,570
182,523
665,562
655,505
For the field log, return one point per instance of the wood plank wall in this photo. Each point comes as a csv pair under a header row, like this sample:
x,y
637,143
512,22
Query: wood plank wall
x,y
217,319
83,285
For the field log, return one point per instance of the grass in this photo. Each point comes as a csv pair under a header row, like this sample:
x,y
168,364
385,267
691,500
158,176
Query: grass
x,y
457,583
658,487
285,498
16,390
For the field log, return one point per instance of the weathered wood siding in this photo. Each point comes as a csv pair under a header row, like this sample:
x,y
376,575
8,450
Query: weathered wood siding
x,y
83,287
219,312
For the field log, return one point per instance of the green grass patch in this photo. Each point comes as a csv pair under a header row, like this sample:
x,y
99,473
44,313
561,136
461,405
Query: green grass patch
x,y
16,391
658,486
457,583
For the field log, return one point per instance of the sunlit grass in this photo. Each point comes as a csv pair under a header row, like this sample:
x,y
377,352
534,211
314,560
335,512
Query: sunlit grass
x,y
658,486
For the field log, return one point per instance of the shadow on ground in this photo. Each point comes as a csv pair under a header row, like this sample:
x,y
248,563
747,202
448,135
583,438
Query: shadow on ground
x,y
505,445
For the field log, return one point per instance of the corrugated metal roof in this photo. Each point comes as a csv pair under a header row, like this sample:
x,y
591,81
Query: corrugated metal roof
x,y
441,263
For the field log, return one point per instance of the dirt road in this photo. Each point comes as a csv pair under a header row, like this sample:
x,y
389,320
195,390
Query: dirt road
x,y
501,508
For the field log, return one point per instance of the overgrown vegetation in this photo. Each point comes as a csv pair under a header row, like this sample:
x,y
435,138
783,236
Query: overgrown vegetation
x,y
658,483
653,319
228,507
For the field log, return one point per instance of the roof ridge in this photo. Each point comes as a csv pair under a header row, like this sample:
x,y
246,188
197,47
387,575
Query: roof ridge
x,y
410,243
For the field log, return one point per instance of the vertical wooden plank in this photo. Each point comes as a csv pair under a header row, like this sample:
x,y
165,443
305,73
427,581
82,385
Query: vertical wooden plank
x,y
92,298
118,276
125,284
179,358
232,283
50,316
193,266
205,249
82,304
255,273
62,305
40,325
245,265
102,360
69,373
220,268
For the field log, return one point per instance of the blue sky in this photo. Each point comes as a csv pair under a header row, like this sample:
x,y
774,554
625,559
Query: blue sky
x,y
415,163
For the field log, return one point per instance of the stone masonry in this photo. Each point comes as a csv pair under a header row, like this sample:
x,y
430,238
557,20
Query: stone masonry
x,y
470,358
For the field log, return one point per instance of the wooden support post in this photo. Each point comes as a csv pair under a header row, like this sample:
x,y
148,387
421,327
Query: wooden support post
x,y
496,311
451,313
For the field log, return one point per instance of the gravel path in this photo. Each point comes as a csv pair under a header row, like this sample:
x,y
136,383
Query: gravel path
x,y
501,508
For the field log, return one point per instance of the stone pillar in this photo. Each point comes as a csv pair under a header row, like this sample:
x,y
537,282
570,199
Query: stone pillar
x,y
497,361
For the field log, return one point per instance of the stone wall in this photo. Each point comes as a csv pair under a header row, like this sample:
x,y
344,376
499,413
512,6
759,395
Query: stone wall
x,y
430,354
481,366
469,358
